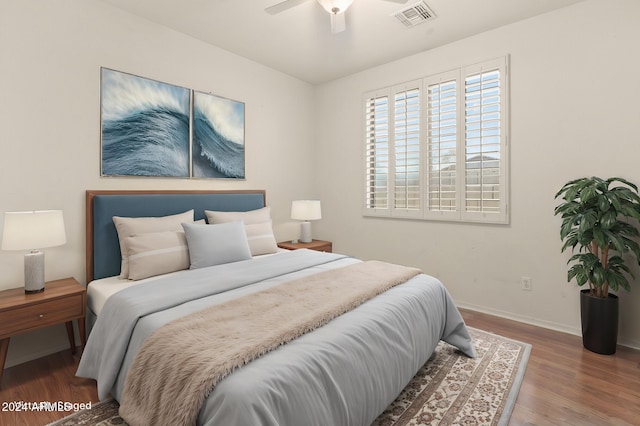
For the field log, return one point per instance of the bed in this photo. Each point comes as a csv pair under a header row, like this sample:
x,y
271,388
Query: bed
x,y
345,371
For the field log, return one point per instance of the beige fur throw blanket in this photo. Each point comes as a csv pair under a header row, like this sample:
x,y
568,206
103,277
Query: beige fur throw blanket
x,y
173,373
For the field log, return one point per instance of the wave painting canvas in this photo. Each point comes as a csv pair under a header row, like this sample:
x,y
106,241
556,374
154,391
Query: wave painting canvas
x,y
145,126
218,137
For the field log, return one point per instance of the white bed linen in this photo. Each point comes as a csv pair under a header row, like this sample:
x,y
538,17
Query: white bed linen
x,y
99,291
344,373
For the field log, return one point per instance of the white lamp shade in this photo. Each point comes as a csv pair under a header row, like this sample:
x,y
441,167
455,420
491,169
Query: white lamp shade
x,y
306,210
33,230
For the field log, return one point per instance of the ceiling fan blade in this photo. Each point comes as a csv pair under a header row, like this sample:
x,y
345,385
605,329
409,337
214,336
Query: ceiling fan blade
x,y
338,24
282,6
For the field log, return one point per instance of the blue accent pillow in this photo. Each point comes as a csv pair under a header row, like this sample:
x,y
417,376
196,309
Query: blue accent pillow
x,y
211,245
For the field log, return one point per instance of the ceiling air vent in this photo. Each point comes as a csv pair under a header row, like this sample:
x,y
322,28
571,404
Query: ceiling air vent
x,y
415,14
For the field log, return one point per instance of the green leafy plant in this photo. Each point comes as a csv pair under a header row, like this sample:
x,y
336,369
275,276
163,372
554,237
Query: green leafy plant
x,y
595,218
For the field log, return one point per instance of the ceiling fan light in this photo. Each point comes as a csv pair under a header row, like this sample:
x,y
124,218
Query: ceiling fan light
x,y
335,6
337,23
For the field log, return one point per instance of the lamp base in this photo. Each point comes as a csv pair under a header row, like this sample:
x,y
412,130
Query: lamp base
x,y
305,232
34,272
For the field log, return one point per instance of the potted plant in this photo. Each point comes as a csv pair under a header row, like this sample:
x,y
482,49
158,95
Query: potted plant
x,y
595,218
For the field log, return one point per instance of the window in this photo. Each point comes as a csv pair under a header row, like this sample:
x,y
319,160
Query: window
x,y
377,139
406,136
441,153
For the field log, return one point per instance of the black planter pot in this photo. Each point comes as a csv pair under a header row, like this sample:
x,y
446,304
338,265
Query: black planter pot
x,y
599,322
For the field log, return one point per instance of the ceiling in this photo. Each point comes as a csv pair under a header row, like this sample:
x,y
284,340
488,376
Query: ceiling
x,y
299,41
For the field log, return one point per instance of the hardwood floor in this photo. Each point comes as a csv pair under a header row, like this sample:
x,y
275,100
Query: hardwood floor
x,y
48,379
564,383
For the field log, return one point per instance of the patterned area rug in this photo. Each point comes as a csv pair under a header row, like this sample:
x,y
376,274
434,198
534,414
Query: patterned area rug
x,y
450,389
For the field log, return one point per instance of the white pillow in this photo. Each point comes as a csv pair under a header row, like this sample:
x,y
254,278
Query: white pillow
x,y
250,217
157,253
261,239
129,226
211,245
258,226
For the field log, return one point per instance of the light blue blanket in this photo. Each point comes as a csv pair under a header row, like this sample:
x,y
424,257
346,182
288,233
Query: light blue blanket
x,y
346,372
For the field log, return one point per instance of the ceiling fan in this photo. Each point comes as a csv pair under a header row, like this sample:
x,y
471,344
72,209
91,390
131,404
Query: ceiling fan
x,y
335,8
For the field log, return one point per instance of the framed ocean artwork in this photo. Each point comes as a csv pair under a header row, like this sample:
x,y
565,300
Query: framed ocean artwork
x,y
218,137
151,128
144,126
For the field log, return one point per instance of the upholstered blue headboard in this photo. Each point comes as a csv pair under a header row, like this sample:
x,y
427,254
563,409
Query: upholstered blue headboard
x,y
103,248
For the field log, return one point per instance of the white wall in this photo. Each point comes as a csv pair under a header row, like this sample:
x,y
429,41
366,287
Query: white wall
x,y
573,90
51,54
574,112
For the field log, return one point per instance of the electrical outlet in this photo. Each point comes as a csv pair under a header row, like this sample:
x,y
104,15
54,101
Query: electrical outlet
x,y
525,282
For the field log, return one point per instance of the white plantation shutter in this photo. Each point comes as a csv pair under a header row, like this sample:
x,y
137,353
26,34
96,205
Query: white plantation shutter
x,y
406,126
442,146
485,142
454,167
377,153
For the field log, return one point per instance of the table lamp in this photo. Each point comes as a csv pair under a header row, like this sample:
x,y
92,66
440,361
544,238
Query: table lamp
x,y
305,210
33,230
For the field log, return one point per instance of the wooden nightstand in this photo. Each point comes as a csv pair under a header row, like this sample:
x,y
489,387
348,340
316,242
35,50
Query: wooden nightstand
x,y
317,245
62,301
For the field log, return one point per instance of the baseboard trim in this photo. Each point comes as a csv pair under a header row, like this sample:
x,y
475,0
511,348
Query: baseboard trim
x,y
538,323
17,360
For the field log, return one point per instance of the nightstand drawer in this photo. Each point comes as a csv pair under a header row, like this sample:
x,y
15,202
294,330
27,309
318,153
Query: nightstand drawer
x,y
318,245
324,247
63,301
31,317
